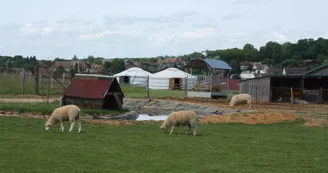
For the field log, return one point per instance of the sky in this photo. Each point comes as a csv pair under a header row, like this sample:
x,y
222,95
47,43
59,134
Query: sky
x,y
148,28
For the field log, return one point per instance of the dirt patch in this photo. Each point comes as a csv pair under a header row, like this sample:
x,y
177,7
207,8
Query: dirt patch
x,y
254,118
259,118
223,103
111,122
314,122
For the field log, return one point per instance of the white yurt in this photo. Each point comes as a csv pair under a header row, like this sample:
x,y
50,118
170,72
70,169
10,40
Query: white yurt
x,y
133,76
171,78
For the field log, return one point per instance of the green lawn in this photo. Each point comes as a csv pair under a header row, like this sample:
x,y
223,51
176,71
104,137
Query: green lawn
x,y
11,85
44,108
284,147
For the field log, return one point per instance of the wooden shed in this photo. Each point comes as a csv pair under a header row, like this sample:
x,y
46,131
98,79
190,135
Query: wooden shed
x,y
94,92
311,86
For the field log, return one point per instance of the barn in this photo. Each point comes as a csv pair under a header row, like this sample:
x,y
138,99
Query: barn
x,y
94,92
311,85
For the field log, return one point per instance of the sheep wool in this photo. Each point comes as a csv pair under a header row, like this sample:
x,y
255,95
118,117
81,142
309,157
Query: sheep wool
x,y
64,113
239,98
180,118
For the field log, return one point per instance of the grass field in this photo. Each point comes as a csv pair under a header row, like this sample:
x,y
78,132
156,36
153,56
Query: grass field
x,y
230,148
47,109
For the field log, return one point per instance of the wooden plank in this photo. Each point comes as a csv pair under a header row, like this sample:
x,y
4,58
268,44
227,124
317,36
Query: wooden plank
x,y
118,100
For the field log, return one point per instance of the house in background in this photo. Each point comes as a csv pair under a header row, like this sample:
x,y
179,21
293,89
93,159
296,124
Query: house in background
x,y
82,65
294,70
258,69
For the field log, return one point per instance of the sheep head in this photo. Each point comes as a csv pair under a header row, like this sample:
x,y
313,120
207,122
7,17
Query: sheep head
x,y
47,125
164,128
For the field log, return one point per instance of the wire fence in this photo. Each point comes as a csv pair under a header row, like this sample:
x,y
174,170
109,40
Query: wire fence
x,y
191,85
132,86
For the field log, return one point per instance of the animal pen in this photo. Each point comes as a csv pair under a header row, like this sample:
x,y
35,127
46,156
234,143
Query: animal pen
x,y
213,82
94,92
280,88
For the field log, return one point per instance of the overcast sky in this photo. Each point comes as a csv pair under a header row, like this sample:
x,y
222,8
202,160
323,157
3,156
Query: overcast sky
x,y
145,28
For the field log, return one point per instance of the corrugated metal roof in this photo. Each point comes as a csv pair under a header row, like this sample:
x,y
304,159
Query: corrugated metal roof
x,y
315,69
88,88
217,64
211,63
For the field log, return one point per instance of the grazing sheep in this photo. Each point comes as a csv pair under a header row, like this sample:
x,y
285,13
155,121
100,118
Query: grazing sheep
x,y
241,98
180,118
298,101
65,113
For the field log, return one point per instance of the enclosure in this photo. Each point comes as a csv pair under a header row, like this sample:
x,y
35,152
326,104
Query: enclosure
x,y
312,88
212,78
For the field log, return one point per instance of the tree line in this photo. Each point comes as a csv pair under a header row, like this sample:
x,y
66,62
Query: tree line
x,y
274,54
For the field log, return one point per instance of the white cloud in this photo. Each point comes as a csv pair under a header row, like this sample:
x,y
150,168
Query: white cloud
x,y
200,33
278,37
97,35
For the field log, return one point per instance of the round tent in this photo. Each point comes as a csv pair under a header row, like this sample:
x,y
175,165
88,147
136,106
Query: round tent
x,y
134,76
171,78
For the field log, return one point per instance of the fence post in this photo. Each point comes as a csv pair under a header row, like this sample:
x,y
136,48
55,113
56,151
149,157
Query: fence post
x,y
29,78
256,94
63,77
186,86
52,82
36,79
321,96
148,96
22,76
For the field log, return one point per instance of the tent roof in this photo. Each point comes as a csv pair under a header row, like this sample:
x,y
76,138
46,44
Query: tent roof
x,y
171,72
211,63
134,71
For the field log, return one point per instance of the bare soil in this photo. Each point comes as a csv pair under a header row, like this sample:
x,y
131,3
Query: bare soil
x,y
268,113
286,107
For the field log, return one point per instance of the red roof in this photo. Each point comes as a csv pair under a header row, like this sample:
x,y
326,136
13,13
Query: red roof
x,y
88,88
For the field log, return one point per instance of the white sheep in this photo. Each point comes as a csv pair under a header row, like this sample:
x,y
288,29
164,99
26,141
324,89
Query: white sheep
x,y
65,113
241,98
180,118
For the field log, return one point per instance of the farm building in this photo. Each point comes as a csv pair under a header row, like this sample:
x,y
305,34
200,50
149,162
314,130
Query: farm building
x,y
311,85
94,92
133,76
214,84
170,78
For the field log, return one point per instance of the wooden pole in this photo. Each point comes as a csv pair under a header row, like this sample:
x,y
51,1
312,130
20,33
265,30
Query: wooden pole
x,y
36,79
148,95
291,95
22,75
29,78
186,86
321,95
52,82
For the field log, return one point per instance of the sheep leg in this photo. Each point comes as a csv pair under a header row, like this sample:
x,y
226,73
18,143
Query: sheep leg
x,y
171,130
61,126
72,125
195,131
189,127
79,126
